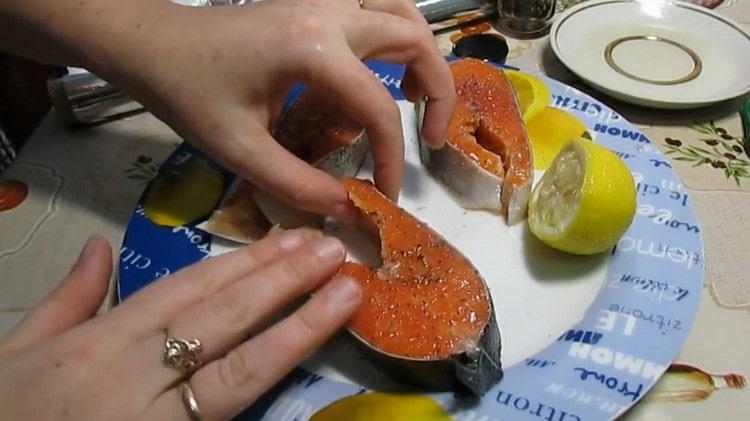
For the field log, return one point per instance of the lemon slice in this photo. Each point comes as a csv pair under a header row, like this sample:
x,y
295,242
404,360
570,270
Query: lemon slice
x,y
532,93
549,130
585,201
378,406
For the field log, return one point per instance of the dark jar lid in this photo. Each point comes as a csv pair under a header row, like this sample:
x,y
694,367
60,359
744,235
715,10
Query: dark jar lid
x,y
492,47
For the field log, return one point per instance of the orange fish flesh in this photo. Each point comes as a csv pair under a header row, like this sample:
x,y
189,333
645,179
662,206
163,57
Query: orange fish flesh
x,y
426,306
487,161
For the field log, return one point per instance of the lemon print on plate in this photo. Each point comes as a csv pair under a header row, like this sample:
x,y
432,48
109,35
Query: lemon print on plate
x,y
183,192
378,406
585,201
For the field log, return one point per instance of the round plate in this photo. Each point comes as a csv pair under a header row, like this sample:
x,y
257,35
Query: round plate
x,y
583,337
658,53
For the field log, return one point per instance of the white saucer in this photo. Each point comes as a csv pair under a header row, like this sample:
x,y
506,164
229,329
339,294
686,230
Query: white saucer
x,y
657,53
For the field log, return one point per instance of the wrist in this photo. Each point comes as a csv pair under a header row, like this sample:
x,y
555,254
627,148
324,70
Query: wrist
x,y
117,36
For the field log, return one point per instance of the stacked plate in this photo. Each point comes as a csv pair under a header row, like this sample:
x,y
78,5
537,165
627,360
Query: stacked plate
x,y
655,53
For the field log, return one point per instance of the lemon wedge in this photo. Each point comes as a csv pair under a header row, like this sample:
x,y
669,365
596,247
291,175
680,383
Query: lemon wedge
x,y
378,406
585,201
549,130
532,93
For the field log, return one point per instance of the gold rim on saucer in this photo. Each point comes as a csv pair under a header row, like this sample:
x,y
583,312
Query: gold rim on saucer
x,y
696,70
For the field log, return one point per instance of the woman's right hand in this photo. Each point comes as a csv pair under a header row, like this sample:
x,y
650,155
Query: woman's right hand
x,y
219,77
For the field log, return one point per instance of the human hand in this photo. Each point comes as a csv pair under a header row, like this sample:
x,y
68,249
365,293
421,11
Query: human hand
x,y
219,76
64,363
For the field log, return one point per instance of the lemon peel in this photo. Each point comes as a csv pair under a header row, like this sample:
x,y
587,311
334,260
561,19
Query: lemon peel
x,y
532,93
585,201
549,130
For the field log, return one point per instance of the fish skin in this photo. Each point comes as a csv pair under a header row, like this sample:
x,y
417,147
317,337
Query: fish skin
x,y
471,185
346,161
414,254
480,368
238,217
500,179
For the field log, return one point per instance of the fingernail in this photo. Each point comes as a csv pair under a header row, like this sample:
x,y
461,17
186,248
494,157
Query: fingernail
x,y
393,196
345,213
87,251
342,291
329,248
289,240
437,144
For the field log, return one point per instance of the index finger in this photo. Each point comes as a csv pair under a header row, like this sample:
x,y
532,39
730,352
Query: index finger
x,y
405,41
366,101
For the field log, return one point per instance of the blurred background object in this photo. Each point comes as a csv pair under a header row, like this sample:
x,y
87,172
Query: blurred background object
x,y
526,18
23,102
440,10
82,98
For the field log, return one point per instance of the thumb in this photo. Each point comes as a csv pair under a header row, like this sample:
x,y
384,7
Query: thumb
x,y
74,301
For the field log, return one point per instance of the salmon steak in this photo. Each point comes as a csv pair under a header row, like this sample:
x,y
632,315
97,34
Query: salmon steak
x,y
313,129
316,130
486,162
426,310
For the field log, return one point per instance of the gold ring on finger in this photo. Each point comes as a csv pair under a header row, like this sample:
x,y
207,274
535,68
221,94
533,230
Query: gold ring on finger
x,y
180,354
191,404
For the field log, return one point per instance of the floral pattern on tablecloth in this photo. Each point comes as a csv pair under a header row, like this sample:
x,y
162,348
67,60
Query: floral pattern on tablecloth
x,y
714,148
712,164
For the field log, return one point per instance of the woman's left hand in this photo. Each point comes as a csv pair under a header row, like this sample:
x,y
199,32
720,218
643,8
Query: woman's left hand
x,y
64,363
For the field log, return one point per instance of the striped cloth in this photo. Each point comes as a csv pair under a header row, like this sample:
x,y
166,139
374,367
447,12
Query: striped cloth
x,y
7,152
23,103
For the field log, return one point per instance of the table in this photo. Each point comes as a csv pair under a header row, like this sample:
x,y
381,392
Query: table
x,y
78,185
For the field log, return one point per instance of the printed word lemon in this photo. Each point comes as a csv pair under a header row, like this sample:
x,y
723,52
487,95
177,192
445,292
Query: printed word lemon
x,y
585,201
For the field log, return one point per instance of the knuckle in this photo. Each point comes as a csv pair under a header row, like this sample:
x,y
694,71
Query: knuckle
x,y
388,114
404,7
302,193
385,112
292,270
304,327
309,31
421,37
407,6
251,255
202,281
223,309
237,371
392,110
204,285
79,353
425,38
